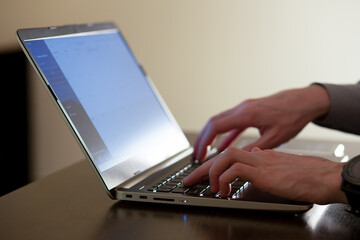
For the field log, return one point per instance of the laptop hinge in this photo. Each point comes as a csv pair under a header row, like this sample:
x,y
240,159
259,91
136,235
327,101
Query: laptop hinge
x,y
140,177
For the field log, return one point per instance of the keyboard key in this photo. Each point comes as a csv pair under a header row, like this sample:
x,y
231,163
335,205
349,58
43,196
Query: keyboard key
x,y
196,190
181,190
171,184
152,188
163,190
238,183
208,193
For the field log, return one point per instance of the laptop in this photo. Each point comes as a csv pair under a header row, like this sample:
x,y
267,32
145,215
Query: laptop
x,y
122,124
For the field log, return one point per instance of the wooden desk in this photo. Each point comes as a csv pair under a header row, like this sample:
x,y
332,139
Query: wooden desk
x,y
71,204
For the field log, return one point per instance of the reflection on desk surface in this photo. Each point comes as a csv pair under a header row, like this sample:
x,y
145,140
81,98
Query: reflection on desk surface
x,y
132,220
332,150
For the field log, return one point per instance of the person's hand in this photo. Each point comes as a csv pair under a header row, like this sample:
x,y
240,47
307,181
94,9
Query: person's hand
x,y
278,118
296,177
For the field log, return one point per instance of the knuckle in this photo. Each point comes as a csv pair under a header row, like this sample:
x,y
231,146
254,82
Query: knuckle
x,y
212,123
268,151
268,157
212,120
212,172
222,180
231,154
238,168
246,105
248,102
245,110
231,151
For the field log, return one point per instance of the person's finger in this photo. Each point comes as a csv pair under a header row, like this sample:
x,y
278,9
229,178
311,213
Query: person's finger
x,y
200,173
229,139
202,132
219,126
268,140
237,170
197,141
225,160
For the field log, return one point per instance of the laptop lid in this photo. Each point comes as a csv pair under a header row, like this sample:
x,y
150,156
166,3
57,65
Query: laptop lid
x,y
114,110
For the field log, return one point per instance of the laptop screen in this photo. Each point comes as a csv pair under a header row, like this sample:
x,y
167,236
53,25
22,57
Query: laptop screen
x,y
116,113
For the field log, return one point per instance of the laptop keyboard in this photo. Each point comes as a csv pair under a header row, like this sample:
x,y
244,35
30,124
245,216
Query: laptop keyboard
x,y
174,184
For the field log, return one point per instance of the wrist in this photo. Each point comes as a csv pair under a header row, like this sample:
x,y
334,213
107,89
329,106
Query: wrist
x,y
351,183
318,100
338,195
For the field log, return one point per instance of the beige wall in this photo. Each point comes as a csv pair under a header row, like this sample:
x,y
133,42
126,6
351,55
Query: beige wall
x,y
204,56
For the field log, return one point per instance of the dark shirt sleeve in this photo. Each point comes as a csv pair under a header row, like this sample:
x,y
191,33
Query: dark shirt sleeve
x,y
344,114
